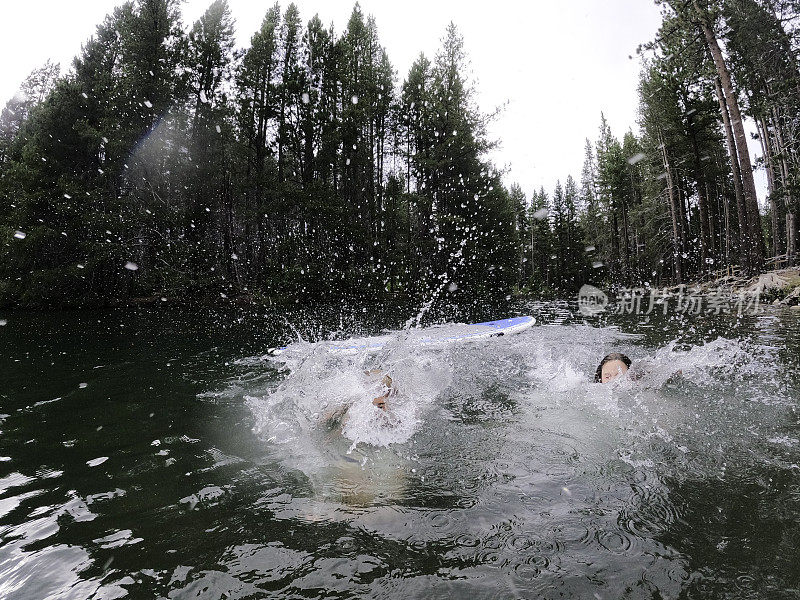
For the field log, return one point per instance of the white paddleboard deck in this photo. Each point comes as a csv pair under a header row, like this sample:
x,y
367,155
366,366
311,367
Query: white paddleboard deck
x,y
429,336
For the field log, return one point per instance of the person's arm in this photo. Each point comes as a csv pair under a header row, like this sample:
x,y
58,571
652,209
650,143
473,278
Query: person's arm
x,y
333,416
380,401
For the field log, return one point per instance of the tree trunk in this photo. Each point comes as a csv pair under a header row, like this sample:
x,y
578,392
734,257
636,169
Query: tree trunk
x,y
673,209
626,251
683,219
705,236
712,220
766,148
741,207
763,136
727,231
785,170
756,246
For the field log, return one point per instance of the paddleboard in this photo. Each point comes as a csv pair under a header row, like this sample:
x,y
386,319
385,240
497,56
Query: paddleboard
x,y
429,336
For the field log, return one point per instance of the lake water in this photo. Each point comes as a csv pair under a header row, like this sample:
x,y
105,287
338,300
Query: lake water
x,y
158,453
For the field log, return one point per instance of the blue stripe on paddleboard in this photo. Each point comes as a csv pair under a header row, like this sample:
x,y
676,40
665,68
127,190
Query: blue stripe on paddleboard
x,y
506,323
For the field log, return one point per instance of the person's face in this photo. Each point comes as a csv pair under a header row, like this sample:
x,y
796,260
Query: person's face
x,y
613,369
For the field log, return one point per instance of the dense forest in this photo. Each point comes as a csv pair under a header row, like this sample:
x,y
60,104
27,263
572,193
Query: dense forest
x,y
679,202
167,163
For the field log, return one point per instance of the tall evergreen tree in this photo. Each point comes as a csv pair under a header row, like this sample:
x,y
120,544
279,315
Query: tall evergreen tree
x,y
207,185
36,87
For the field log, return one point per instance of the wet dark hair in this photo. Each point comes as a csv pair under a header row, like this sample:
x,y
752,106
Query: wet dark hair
x,y
598,375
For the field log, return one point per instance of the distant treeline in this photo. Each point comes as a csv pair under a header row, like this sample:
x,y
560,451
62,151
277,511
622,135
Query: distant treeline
x,y
170,163
679,201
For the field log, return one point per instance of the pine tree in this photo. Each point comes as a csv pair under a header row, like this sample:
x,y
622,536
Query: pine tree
x,y
522,226
763,61
256,83
701,17
541,243
33,91
208,191
291,169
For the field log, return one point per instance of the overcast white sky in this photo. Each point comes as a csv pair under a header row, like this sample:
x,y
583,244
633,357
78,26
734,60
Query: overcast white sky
x,y
558,64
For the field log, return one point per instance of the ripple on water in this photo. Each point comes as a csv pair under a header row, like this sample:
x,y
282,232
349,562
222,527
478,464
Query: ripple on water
x,y
616,542
13,480
116,539
519,542
648,511
527,572
261,564
441,520
575,534
467,541
525,481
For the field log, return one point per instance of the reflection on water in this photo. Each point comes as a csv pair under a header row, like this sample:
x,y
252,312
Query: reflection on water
x,y
148,454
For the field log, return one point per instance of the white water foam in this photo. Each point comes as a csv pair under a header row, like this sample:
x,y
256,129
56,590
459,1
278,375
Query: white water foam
x,y
325,395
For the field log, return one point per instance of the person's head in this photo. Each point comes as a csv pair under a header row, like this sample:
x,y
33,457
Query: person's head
x,y
612,366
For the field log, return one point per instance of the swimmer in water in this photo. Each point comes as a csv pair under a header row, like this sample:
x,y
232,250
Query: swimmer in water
x,y
612,366
380,401
338,416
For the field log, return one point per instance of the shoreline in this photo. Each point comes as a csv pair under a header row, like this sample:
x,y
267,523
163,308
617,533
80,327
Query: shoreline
x,y
779,287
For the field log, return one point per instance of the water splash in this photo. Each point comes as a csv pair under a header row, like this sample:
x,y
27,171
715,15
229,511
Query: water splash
x,y
326,391
529,402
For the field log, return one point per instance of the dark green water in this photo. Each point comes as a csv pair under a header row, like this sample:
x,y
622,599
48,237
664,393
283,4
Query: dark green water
x,y
153,453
